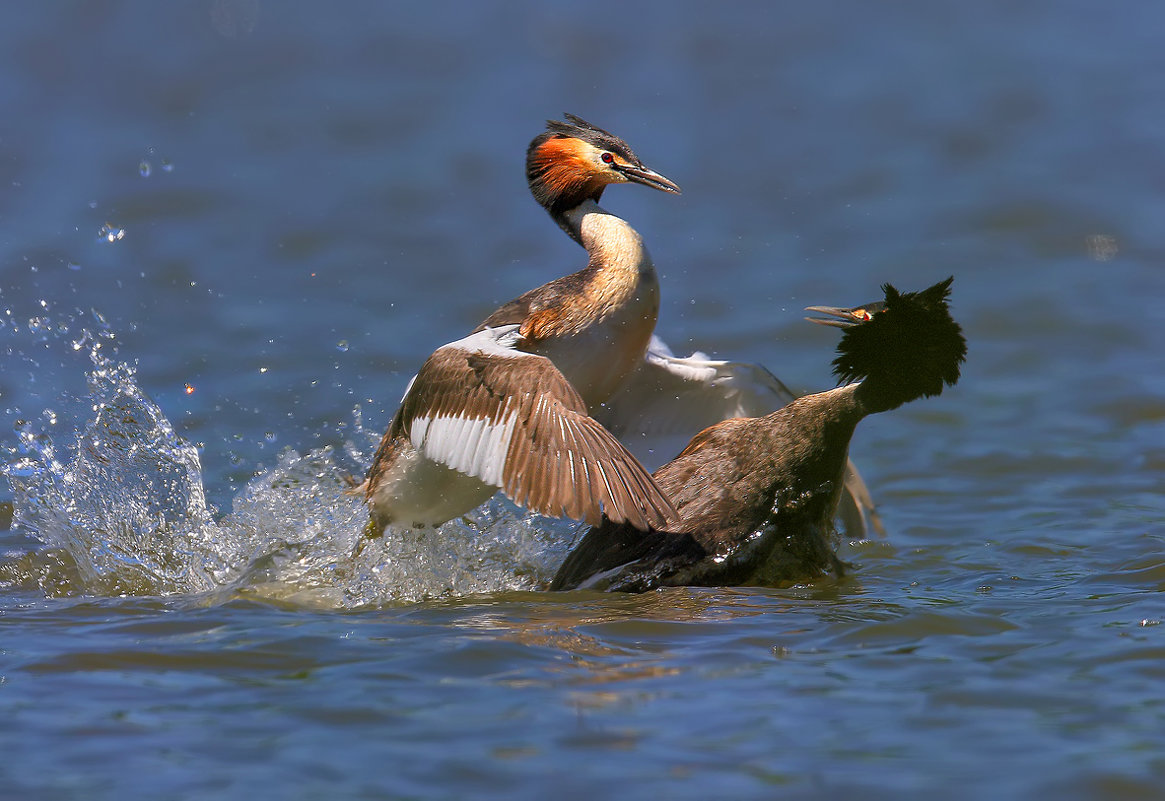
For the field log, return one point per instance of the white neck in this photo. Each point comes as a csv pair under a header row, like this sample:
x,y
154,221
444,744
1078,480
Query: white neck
x,y
611,242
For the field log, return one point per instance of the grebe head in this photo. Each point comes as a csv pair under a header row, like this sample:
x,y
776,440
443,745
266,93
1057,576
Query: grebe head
x,y
573,161
904,347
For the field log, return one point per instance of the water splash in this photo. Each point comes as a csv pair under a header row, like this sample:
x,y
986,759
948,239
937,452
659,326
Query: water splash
x,y
126,502
122,510
314,549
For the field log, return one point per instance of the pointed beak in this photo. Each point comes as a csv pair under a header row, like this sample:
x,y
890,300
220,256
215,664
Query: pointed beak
x,y
642,175
845,318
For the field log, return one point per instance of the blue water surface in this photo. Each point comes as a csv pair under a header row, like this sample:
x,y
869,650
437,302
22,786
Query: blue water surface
x,y
231,230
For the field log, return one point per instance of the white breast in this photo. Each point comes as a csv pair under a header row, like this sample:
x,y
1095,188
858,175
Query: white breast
x,y
598,360
418,492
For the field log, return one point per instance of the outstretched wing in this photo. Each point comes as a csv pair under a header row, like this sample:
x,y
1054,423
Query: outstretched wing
x,y
511,419
668,400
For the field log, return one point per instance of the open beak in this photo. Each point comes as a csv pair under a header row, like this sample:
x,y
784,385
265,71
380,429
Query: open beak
x,y
642,175
845,318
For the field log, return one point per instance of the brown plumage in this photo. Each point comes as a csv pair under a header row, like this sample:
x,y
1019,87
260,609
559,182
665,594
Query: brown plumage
x,y
568,167
494,417
527,376
756,495
568,306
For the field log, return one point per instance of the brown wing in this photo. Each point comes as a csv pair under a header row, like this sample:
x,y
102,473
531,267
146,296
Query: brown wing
x,y
513,420
547,300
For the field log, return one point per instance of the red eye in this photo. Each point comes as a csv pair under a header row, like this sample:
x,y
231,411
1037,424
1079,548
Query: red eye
x,y
607,158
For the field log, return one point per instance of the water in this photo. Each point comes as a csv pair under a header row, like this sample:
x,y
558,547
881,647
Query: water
x,y
231,231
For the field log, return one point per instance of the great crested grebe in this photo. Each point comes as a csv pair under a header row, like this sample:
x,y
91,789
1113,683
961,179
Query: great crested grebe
x,y
595,326
508,406
755,496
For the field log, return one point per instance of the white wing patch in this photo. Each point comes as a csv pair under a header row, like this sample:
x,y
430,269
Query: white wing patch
x,y
498,341
668,400
471,445
479,403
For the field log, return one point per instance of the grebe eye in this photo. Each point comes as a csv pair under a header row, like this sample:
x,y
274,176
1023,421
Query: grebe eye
x,y
607,158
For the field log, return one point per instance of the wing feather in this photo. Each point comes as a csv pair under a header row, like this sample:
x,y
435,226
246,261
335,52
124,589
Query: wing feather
x,y
668,400
511,419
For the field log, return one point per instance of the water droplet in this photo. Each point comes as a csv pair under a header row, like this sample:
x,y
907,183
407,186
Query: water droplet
x,y
74,266
263,369
189,389
271,436
167,166
1102,247
85,339
342,346
144,169
110,233
25,467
